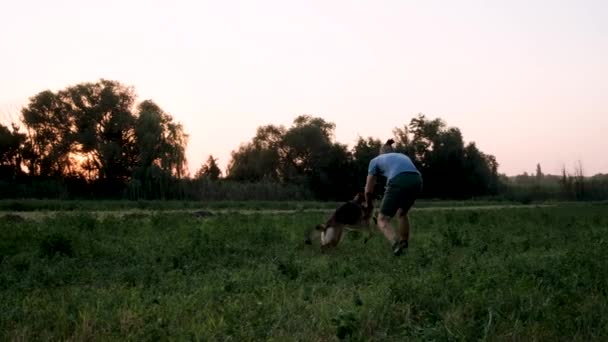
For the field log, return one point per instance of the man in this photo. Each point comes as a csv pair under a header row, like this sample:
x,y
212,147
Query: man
x,y
404,185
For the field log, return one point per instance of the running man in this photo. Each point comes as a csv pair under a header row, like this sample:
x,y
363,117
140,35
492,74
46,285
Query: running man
x,y
404,185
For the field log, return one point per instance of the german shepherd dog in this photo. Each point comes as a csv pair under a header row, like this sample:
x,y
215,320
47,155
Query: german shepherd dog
x,y
352,215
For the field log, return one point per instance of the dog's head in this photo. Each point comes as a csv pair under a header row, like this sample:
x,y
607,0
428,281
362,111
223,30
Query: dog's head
x,y
362,202
359,198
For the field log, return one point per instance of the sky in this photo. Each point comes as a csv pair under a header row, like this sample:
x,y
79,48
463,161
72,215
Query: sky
x,y
527,81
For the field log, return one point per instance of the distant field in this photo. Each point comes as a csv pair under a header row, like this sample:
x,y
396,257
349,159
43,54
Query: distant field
x,y
512,273
60,205
38,209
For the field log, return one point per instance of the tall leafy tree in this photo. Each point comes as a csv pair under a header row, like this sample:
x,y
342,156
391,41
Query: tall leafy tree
x,y
539,172
449,168
334,177
304,154
85,129
363,152
481,172
11,151
306,144
209,170
261,158
94,131
103,117
52,131
160,149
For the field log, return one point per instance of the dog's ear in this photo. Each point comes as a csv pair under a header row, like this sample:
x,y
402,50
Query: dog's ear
x,y
359,197
368,211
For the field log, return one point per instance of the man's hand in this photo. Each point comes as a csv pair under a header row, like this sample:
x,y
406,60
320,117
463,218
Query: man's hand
x,y
368,206
369,201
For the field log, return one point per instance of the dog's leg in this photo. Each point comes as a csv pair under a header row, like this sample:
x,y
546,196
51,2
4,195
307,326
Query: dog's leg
x,y
364,227
367,230
331,236
313,233
370,234
325,235
339,235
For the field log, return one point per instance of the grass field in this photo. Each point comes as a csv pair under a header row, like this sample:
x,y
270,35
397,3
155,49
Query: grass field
x,y
532,273
30,205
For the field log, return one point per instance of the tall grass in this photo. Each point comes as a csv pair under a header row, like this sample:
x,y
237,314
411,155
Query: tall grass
x,y
27,205
511,274
173,189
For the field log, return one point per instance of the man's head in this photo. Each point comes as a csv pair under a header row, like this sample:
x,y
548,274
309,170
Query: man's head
x,y
387,147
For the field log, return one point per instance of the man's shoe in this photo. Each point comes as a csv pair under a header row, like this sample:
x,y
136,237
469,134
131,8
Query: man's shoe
x,y
399,247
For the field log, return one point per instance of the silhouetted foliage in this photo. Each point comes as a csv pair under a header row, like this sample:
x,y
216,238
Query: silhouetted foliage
x,y
306,154
528,188
93,140
363,152
209,170
450,168
261,158
90,134
11,152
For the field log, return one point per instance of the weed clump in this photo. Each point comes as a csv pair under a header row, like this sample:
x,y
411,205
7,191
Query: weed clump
x,y
56,244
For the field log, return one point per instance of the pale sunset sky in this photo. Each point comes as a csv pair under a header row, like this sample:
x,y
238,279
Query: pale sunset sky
x,y
526,80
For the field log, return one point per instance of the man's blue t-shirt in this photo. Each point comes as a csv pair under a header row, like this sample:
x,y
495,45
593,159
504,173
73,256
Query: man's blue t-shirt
x,y
391,164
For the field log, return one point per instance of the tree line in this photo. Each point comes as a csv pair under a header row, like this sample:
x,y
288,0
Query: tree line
x,y
94,140
568,186
307,154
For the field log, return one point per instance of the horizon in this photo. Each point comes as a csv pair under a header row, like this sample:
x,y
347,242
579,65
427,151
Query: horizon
x,y
525,82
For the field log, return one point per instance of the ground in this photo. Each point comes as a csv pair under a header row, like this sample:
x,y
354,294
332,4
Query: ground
x,y
244,273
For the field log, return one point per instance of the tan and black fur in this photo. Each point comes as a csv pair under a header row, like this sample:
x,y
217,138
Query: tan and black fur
x,y
352,215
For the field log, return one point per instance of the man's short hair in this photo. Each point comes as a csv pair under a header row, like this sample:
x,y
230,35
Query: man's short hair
x,y
387,147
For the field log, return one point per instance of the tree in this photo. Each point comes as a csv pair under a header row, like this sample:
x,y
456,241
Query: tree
x,y
160,142
92,131
104,135
363,152
579,181
11,147
481,171
539,172
333,176
209,170
304,155
51,131
283,155
424,134
261,158
160,147
86,130
305,145
449,168
403,143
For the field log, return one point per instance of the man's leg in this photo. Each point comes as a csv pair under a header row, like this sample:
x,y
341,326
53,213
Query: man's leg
x,y
404,226
384,224
397,245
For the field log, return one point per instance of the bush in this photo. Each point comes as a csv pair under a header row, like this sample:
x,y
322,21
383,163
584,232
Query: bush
x,y
56,244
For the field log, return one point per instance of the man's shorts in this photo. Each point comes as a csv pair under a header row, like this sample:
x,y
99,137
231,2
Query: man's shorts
x,y
401,193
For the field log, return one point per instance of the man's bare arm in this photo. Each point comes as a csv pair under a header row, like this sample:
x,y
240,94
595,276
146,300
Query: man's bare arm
x,y
370,184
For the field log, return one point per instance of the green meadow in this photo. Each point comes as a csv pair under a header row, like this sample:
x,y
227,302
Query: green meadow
x,y
521,273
